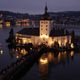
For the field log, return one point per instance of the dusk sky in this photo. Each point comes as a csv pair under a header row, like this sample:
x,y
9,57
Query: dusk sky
x,y
37,6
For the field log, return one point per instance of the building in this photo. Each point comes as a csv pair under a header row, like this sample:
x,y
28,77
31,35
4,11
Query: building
x,y
7,23
46,33
1,23
23,22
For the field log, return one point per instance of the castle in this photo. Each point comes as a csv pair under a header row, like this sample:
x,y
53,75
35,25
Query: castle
x,y
46,33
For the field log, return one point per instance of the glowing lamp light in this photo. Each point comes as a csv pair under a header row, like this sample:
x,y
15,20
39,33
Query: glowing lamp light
x,y
72,45
72,53
17,56
65,40
24,52
44,36
44,61
51,42
1,52
8,24
30,48
24,40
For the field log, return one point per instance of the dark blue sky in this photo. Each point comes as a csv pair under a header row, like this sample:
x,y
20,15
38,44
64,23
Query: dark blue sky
x,y
37,6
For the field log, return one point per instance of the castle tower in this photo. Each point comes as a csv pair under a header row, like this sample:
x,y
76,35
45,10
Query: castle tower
x,y
45,26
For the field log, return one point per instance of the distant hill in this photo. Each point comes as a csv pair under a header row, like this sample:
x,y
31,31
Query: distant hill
x,y
8,14
66,13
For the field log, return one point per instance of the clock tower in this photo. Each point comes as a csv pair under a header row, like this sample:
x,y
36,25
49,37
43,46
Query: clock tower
x,y
45,26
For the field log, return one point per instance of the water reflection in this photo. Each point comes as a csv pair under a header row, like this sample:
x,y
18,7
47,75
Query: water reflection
x,y
18,52
43,67
1,50
49,60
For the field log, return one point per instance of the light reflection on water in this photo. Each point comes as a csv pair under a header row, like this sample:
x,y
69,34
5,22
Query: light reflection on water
x,y
18,52
51,66
5,57
56,66
52,58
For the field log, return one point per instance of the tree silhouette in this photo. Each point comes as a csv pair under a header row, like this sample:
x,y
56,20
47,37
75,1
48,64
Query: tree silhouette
x,y
11,39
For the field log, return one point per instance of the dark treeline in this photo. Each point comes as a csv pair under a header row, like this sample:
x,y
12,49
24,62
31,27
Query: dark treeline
x,y
27,15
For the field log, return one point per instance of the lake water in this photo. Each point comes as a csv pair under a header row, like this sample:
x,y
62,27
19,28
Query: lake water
x,y
51,66
56,66
5,57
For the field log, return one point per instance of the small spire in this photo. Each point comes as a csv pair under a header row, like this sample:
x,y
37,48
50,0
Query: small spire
x,y
46,8
46,15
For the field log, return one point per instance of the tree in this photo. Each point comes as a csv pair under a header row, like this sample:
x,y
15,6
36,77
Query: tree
x,y
56,45
11,39
72,36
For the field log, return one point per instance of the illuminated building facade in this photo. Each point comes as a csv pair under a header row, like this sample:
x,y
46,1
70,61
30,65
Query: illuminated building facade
x,y
46,34
5,23
23,22
1,23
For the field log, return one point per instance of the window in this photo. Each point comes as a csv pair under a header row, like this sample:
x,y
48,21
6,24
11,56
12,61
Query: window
x,y
46,25
41,25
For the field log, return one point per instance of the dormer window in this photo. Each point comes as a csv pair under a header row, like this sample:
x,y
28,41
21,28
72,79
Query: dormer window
x,y
41,25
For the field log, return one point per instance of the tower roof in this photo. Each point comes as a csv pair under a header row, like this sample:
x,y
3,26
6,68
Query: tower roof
x,y
46,15
46,9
